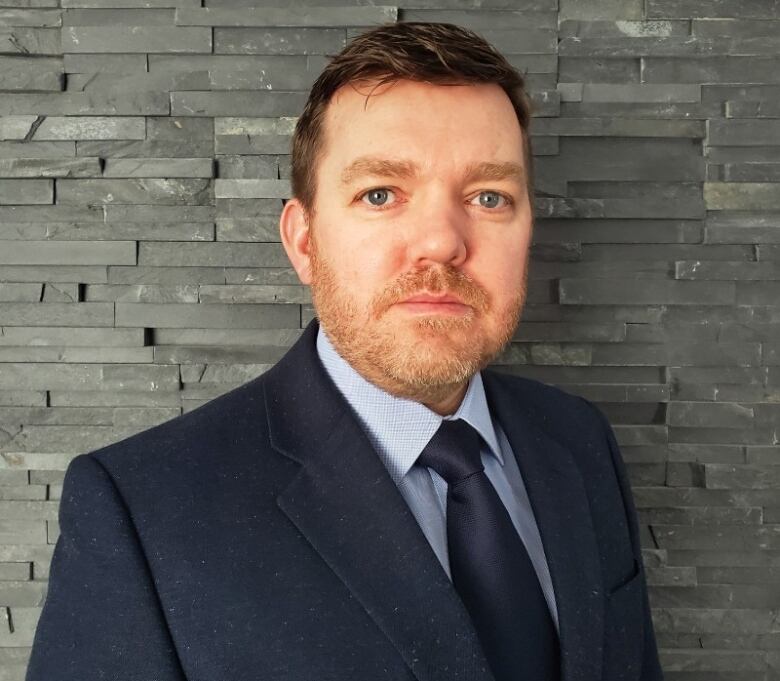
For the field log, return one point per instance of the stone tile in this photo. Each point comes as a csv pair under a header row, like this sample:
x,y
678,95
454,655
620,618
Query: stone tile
x,y
737,538
31,73
723,69
758,293
618,127
728,271
280,338
114,231
230,355
699,516
49,167
691,354
621,28
159,167
727,28
66,398
24,398
212,254
237,103
114,16
67,253
575,71
53,273
142,293
238,293
704,414
739,132
15,192
251,189
30,17
57,314
21,149
612,291
741,196
120,4
131,191
249,229
504,19
105,102
593,10
755,109
90,128
670,9
207,316
617,231
82,337
278,40
30,41
285,16
132,39
89,376
21,532
166,275
241,72
105,63
640,93
68,355
23,292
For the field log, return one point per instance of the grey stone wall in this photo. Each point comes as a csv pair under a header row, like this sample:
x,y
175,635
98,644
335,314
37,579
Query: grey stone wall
x,y
143,156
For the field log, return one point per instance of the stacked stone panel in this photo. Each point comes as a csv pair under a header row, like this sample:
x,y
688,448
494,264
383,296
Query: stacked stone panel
x,y
144,158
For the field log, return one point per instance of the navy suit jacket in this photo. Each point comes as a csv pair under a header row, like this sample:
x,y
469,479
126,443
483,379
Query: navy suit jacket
x,y
260,537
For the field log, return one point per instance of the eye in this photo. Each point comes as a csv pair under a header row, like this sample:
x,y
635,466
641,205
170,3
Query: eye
x,y
493,199
377,197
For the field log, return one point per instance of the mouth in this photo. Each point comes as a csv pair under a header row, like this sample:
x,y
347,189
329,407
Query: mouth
x,y
425,302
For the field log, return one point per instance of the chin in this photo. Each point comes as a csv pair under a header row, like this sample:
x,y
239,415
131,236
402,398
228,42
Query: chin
x,y
435,363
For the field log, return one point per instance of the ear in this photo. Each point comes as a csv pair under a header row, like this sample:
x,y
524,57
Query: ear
x,y
294,231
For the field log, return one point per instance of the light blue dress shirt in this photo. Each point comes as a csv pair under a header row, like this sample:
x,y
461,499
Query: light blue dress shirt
x,y
399,429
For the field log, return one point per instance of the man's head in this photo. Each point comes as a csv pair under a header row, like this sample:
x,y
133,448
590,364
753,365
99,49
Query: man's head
x,y
412,175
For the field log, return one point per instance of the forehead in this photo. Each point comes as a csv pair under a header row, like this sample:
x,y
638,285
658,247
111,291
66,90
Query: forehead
x,y
438,125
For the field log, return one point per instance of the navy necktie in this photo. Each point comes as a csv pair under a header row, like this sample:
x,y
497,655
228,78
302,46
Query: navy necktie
x,y
490,567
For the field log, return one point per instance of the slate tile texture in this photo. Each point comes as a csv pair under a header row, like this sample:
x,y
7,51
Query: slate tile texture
x,y
144,157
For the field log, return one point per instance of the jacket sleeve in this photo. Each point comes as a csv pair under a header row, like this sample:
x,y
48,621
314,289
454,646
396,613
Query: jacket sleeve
x,y
651,666
102,618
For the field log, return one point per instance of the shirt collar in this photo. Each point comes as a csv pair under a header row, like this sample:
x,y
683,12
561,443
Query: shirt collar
x,y
400,428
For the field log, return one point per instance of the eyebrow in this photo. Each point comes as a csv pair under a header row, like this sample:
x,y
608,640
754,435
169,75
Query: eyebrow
x,y
374,165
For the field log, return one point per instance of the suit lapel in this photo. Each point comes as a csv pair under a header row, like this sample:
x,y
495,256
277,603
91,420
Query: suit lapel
x,y
561,509
347,506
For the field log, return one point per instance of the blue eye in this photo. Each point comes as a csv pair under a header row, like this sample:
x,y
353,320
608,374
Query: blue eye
x,y
491,203
378,196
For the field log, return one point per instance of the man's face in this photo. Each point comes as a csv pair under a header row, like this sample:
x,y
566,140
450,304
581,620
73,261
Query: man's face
x,y
418,193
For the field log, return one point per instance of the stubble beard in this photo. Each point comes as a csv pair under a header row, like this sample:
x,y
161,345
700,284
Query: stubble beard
x,y
424,358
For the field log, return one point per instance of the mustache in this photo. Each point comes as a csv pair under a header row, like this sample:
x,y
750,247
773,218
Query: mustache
x,y
443,279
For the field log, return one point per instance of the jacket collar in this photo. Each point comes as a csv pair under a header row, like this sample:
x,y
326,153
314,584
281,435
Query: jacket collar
x,y
345,503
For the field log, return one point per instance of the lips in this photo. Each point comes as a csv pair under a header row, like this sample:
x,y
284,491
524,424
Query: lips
x,y
427,298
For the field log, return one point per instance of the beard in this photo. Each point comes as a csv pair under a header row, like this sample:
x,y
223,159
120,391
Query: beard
x,y
420,357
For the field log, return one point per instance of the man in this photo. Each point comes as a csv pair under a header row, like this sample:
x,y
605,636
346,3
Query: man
x,y
379,505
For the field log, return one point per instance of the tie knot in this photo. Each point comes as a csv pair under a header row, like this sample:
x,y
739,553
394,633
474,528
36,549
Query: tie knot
x,y
453,451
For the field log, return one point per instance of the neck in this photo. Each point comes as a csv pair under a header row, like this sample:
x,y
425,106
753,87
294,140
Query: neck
x,y
449,405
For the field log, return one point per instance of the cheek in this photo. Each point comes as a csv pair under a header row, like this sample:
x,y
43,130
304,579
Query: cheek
x,y
364,264
361,272
501,269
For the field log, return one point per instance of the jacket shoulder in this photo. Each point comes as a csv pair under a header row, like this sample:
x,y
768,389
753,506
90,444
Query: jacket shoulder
x,y
217,426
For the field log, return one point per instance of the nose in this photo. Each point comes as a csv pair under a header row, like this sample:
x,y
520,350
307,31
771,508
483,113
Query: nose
x,y
437,232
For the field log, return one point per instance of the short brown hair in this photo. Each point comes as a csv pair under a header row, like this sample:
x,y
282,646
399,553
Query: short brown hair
x,y
439,53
